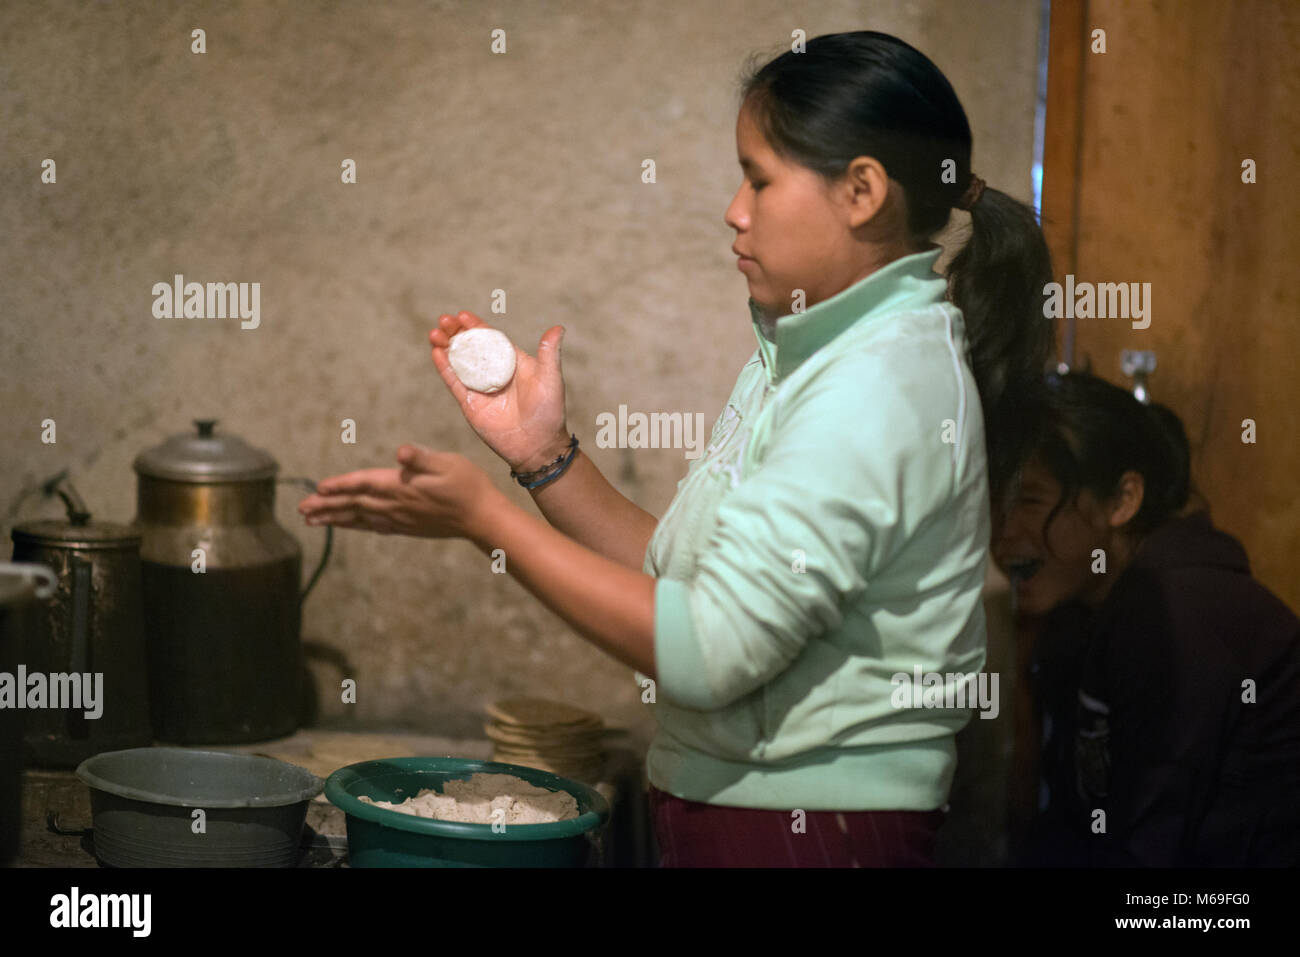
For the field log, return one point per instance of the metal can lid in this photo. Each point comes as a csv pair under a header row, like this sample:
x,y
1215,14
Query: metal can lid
x,y
205,457
62,533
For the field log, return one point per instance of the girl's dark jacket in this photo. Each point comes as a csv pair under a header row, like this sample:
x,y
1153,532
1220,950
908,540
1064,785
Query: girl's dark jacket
x,y
1186,724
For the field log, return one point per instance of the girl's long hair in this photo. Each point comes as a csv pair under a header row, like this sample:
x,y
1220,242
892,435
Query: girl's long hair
x,y
1091,432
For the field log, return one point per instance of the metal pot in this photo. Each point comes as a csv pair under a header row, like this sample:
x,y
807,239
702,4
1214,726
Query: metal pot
x,y
91,636
144,802
19,593
221,591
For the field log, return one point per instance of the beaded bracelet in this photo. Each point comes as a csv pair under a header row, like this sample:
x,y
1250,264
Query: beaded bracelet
x,y
548,473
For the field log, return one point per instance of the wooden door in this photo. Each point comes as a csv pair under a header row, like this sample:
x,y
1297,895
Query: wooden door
x,y
1148,148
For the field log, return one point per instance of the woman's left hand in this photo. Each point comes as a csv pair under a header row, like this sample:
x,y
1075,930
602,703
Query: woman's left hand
x,y
432,495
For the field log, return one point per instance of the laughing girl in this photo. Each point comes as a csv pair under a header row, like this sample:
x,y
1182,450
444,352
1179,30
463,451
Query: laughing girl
x,y
1171,695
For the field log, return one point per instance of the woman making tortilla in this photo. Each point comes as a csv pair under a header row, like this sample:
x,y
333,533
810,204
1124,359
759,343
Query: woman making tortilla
x,y
835,532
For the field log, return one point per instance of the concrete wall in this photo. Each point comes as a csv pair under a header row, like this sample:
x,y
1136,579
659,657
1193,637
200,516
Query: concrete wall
x,y
475,172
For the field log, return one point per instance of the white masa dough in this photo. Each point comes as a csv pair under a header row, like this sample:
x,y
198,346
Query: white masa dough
x,y
477,799
483,359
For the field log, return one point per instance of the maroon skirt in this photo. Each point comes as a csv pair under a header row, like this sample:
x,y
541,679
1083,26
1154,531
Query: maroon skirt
x,y
692,834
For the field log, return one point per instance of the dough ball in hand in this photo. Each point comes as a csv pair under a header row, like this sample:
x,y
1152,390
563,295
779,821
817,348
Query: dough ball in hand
x,y
483,359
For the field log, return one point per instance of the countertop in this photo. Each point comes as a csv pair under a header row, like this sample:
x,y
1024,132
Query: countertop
x,y
322,752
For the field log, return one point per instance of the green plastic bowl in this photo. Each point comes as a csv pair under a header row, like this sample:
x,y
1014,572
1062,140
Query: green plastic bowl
x,y
378,837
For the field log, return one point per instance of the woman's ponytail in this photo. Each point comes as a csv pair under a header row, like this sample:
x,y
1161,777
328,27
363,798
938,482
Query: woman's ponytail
x,y
997,282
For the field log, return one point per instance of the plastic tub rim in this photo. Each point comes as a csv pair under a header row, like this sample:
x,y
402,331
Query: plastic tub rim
x,y
312,785
336,793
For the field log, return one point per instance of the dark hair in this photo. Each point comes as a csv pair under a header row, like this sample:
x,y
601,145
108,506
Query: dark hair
x,y
868,93
1091,432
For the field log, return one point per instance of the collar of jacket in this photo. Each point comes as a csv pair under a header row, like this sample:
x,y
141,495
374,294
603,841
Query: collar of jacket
x,y
909,282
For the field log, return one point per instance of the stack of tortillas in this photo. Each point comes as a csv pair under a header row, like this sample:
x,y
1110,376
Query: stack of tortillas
x,y
548,735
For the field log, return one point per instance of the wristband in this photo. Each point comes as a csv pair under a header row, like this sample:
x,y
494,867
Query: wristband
x,y
548,473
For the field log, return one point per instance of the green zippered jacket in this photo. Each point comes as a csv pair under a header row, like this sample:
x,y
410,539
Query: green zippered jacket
x,y
833,534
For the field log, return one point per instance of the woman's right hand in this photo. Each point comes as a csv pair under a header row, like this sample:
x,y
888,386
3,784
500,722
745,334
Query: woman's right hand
x,y
524,423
